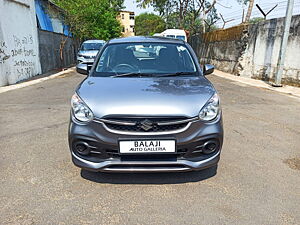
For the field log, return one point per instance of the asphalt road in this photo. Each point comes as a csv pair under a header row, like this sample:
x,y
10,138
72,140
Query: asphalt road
x,y
257,182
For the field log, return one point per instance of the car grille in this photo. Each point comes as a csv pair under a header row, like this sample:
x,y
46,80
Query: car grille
x,y
88,57
138,128
153,124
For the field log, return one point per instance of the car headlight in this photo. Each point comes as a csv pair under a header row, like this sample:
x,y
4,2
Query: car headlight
x,y
79,55
80,110
211,109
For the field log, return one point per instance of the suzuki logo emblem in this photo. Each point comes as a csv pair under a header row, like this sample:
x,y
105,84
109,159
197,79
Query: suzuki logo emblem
x,y
146,125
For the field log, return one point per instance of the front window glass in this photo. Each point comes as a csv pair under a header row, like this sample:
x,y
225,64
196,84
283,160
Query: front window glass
x,y
181,37
170,36
91,46
148,58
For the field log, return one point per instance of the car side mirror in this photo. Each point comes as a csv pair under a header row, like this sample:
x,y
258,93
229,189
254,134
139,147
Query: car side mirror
x,y
82,68
208,69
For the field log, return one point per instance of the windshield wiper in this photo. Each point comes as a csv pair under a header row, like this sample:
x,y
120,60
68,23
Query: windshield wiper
x,y
132,74
177,74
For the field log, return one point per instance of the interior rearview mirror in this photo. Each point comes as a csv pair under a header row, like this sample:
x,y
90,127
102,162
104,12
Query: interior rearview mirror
x,y
82,68
208,69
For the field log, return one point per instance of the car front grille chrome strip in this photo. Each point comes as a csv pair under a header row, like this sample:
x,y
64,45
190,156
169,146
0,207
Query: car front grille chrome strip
x,y
177,121
126,123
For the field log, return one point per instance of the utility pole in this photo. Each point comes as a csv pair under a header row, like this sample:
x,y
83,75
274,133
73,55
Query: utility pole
x,y
243,15
284,42
250,7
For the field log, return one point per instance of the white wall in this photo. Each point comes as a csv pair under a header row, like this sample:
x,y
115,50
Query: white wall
x,y
19,52
261,55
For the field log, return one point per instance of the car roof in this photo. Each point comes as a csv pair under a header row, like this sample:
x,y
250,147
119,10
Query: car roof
x,y
174,31
94,41
156,39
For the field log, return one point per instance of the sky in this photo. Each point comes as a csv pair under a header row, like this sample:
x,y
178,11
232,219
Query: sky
x,y
230,9
131,5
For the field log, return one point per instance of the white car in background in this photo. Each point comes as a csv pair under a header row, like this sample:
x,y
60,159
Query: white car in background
x,y
174,33
88,51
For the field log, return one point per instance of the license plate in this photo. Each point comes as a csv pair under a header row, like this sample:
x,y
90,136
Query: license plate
x,y
147,146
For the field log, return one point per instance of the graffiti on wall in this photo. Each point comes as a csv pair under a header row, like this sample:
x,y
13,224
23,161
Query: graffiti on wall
x,y
19,56
3,52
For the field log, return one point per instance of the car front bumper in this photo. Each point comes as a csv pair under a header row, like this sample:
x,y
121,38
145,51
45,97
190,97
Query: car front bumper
x,y
180,165
85,60
197,132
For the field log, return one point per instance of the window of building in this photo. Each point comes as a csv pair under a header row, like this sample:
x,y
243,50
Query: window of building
x,y
122,15
132,27
131,16
123,29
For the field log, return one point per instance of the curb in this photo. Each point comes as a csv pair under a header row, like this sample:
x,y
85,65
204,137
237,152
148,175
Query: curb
x,y
36,81
288,90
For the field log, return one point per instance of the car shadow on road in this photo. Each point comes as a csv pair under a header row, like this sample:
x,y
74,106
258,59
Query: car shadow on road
x,y
149,178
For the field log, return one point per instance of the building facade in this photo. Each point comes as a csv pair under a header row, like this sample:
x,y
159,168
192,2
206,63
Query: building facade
x,y
127,21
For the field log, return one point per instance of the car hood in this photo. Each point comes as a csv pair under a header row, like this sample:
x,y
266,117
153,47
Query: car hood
x,y
178,96
89,53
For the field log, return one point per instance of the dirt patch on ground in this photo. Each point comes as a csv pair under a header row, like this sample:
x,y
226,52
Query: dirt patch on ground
x,y
293,163
65,75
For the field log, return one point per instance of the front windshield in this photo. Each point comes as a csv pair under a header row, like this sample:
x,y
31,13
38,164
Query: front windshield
x,y
170,36
145,58
91,46
180,37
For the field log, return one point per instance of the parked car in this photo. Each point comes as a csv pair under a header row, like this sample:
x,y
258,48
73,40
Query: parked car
x,y
135,113
174,33
88,51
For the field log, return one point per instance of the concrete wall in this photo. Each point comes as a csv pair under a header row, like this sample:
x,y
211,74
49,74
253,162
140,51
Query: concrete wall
x,y
261,56
252,51
222,48
19,52
49,48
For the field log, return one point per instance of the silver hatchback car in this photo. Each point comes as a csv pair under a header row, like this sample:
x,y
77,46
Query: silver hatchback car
x,y
145,106
89,50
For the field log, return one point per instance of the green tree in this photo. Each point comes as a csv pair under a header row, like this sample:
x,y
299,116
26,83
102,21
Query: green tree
x,y
256,20
185,14
92,18
148,24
